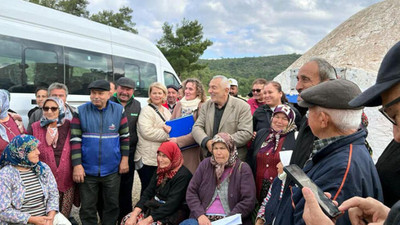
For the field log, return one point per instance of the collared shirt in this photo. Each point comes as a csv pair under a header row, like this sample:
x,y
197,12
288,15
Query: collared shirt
x,y
218,116
321,143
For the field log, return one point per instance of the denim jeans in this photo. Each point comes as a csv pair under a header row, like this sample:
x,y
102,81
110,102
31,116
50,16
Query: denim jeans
x,y
89,196
190,221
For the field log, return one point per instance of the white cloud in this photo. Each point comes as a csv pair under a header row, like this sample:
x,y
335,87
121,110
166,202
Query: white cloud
x,y
242,28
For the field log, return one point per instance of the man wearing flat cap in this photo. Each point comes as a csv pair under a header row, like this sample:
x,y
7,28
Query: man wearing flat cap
x,y
124,96
99,152
340,163
172,97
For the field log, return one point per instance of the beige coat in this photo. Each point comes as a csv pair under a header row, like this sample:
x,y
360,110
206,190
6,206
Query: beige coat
x,y
236,120
151,134
191,156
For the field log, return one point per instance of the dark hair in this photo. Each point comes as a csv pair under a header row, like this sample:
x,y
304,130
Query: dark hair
x,y
39,89
278,87
259,81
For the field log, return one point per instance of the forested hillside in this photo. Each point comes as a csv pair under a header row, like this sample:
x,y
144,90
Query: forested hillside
x,y
245,70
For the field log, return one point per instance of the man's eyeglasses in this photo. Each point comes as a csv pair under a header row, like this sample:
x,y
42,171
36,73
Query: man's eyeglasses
x,y
256,90
53,109
385,107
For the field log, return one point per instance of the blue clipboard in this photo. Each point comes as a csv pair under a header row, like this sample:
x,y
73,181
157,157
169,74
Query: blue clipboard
x,y
180,126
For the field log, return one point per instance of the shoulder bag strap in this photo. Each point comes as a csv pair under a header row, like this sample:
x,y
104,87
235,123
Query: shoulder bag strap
x,y
158,112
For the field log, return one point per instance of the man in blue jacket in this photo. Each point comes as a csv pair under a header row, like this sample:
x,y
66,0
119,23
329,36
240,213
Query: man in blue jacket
x,y
99,153
340,162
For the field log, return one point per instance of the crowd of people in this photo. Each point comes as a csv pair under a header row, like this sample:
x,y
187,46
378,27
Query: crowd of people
x,y
228,165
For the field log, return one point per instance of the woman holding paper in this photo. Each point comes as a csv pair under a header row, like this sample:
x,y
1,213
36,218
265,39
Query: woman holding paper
x,y
152,131
190,104
263,155
222,185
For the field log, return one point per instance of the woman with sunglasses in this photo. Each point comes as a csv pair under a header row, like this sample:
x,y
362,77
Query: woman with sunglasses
x,y
258,96
8,125
53,133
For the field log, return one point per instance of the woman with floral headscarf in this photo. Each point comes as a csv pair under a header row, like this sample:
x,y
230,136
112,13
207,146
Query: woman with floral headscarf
x,y
222,185
162,201
9,127
263,156
53,133
28,190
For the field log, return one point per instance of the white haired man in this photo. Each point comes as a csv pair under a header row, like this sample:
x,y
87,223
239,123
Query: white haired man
x,y
340,162
223,113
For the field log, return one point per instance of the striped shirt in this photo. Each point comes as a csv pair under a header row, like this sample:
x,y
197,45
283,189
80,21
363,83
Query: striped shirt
x,y
34,198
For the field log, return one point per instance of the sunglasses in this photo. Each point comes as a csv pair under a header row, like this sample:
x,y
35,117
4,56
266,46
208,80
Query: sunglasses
x,y
256,90
385,107
53,109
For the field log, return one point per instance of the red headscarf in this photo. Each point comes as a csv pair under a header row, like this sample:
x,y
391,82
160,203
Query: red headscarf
x,y
172,151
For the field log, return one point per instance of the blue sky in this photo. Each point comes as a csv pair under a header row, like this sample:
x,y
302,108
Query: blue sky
x,y
243,28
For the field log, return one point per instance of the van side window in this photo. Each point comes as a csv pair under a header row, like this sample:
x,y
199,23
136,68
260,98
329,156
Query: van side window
x,y
10,63
143,73
83,67
169,78
41,68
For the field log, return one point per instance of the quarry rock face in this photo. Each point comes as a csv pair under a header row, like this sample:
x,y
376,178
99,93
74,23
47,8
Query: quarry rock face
x,y
356,48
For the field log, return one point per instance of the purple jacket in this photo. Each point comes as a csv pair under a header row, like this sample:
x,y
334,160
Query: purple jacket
x,y
242,190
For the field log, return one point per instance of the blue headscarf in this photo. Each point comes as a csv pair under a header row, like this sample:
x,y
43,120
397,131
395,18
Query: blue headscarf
x,y
61,108
16,153
4,106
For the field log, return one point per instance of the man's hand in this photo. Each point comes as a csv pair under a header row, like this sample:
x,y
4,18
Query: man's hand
x,y
78,174
312,214
203,220
259,222
124,165
209,145
369,209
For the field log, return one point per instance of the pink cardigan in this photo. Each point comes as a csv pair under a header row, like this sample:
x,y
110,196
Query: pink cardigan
x,y
62,173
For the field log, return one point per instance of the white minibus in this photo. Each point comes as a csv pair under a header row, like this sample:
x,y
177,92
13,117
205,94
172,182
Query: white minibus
x,y
39,46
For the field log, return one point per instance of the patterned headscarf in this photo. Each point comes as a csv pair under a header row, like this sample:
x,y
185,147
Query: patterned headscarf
x,y
4,106
16,153
172,151
61,108
233,154
274,136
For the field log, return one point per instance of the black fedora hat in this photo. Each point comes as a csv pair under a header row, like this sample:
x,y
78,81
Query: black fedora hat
x,y
388,76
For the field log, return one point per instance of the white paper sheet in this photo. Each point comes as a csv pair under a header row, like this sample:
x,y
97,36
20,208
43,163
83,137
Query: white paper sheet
x,y
230,220
285,157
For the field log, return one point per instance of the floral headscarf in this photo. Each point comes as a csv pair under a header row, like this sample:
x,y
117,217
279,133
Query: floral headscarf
x,y
274,136
16,153
4,106
172,151
233,154
61,108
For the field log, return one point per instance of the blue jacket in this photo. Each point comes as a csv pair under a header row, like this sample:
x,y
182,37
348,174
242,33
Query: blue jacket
x,y
100,139
327,169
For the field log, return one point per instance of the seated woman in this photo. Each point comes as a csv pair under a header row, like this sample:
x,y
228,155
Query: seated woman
x,y
263,155
162,201
53,133
222,185
28,190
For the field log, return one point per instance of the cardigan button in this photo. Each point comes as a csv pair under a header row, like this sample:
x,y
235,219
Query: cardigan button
x,y
267,165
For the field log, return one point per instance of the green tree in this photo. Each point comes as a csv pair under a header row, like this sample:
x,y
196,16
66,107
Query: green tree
x,y
185,47
74,7
121,20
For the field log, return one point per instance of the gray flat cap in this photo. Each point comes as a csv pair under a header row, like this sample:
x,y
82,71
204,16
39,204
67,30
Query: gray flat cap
x,y
333,94
126,82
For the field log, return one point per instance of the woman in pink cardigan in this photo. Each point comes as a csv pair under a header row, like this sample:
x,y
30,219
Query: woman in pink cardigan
x,y
53,132
190,104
